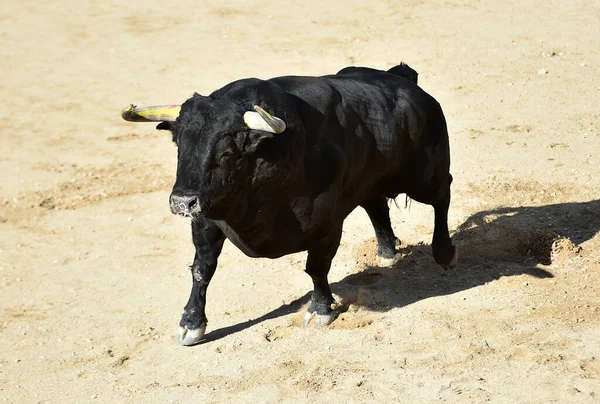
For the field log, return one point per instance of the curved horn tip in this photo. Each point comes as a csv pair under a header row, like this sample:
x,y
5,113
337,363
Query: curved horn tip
x,y
127,111
276,124
257,108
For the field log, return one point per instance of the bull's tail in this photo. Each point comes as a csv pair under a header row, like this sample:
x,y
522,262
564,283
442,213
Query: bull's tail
x,y
405,71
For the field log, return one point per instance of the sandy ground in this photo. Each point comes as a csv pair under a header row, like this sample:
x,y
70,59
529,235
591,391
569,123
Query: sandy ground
x,y
93,267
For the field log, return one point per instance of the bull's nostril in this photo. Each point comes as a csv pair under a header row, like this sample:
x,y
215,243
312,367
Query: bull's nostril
x,y
185,205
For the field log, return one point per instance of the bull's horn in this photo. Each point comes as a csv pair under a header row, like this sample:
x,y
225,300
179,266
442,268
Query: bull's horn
x,y
156,113
262,120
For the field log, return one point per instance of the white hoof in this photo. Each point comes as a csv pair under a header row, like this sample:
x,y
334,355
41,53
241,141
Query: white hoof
x,y
388,262
307,317
190,337
320,320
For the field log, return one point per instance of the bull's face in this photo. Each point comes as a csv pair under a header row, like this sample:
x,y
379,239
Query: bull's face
x,y
218,144
211,163
217,157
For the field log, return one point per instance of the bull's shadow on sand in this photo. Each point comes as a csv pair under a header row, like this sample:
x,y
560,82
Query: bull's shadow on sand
x,y
492,244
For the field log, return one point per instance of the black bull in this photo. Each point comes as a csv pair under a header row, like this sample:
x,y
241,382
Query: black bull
x,y
283,179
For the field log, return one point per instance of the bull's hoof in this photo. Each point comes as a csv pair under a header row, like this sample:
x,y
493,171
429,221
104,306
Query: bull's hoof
x,y
385,262
319,320
192,326
388,262
187,337
453,262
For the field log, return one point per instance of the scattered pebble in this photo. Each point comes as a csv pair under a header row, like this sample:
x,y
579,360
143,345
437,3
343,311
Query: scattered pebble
x,y
525,283
542,72
94,396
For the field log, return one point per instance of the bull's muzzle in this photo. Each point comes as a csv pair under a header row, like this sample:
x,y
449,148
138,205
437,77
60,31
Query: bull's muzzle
x,y
184,205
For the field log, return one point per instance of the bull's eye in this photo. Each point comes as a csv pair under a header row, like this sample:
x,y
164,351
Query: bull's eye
x,y
226,153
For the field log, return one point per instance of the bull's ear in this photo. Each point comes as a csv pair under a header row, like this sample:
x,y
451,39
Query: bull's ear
x,y
164,126
256,138
170,126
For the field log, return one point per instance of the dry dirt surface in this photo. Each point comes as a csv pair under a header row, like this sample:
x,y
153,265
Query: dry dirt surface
x,y
94,268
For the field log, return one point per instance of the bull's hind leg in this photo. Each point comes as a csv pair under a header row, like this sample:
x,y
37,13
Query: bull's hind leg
x,y
208,240
387,243
438,195
444,252
318,263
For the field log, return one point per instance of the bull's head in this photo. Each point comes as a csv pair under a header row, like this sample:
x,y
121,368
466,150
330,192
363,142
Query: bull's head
x,y
219,151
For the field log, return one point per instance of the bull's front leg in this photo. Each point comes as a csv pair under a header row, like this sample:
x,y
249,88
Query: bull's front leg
x,y
208,240
318,263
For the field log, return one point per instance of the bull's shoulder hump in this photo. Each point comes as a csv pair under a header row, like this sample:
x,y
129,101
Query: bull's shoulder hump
x,y
291,82
307,88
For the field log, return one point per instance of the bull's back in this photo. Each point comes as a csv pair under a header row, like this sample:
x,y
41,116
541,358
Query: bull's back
x,y
386,135
379,104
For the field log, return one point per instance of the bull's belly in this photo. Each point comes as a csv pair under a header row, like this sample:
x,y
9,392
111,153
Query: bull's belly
x,y
270,247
